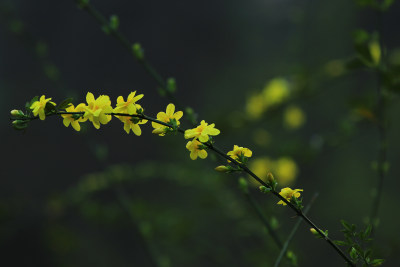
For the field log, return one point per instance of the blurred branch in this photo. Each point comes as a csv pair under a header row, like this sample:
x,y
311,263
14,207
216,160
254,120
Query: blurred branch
x,y
291,235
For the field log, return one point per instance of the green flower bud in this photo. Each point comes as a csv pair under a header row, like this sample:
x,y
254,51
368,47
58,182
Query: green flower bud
x,y
222,168
17,113
138,51
19,124
264,189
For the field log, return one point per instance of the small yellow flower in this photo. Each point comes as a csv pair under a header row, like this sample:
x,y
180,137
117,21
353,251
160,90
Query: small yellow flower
x,y
39,106
238,152
69,118
294,117
166,116
129,123
287,193
97,109
129,105
202,131
195,151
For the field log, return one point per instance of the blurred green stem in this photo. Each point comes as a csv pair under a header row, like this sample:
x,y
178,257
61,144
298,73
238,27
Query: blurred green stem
x,y
124,201
91,10
263,219
291,235
381,122
299,212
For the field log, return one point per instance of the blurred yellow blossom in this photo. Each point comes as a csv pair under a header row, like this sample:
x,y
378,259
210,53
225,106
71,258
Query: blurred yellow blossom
x,y
255,106
287,193
375,51
335,68
276,91
294,117
285,170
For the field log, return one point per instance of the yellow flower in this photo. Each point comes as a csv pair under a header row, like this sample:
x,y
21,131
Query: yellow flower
x,y
132,123
285,170
166,116
239,152
202,131
288,193
195,151
97,109
69,118
294,117
276,91
39,106
129,105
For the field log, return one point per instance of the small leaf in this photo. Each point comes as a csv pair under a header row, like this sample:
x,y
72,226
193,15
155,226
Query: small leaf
x,y
341,243
64,104
377,262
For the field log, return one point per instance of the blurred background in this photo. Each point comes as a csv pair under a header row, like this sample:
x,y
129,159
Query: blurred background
x,y
278,77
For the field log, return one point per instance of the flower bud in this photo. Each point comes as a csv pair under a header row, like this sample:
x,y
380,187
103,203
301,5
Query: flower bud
x,y
160,130
17,113
264,189
19,124
270,178
222,168
138,51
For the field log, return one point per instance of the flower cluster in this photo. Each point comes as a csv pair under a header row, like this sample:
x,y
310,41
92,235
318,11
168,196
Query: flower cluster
x,y
201,134
100,111
97,110
288,194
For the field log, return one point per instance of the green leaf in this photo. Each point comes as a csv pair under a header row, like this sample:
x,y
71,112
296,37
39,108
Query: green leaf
x,y
49,108
346,225
64,104
353,253
377,262
341,243
367,231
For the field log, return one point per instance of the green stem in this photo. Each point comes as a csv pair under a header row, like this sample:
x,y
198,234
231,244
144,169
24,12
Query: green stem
x,y
237,163
382,150
294,230
264,220
101,19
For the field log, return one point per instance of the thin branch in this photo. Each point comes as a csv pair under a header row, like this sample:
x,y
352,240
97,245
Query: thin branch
x,y
243,167
291,235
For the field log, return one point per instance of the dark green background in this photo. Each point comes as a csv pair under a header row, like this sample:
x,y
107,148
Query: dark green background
x,y
169,210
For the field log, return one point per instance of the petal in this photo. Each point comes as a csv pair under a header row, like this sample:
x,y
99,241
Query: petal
x,y
131,109
130,96
170,109
203,138
89,97
76,126
66,122
193,154
178,115
127,127
136,129
213,131
120,100
42,116
202,154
